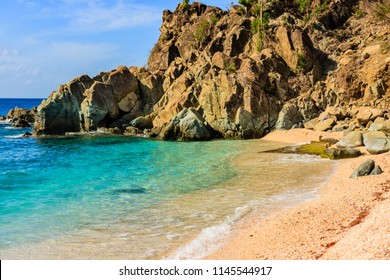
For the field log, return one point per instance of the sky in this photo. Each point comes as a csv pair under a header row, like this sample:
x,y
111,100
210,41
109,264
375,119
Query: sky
x,y
45,43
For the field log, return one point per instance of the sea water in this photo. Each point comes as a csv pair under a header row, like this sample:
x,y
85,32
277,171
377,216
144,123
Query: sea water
x,y
100,196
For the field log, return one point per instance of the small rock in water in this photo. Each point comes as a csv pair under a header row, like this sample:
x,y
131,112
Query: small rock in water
x,y
364,169
27,134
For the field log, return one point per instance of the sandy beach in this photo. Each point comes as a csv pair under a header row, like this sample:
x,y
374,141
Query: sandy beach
x,y
349,220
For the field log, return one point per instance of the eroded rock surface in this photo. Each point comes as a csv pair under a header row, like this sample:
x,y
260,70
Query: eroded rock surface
x,y
329,71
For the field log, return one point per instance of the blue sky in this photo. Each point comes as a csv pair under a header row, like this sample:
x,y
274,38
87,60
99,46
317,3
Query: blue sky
x,y
45,43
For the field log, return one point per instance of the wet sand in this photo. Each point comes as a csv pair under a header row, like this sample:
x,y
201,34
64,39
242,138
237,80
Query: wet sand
x,y
349,220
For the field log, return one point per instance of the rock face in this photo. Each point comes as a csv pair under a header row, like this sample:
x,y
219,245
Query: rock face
x,y
214,73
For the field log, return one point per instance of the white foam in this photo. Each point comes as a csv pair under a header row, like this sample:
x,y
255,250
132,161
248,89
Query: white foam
x,y
300,158
15,136
97,132
12,127
210,239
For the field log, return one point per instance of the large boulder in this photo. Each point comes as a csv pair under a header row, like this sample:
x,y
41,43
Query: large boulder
x,y
289,116
383,126
296,112
58,114
376,142
351,140
142,123
188,125
123,82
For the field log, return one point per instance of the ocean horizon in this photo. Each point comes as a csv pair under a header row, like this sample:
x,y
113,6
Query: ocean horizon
x,y
7,104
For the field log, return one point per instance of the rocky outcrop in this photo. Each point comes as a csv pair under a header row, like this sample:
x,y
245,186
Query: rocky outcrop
x,y
21,117
85,104
216,73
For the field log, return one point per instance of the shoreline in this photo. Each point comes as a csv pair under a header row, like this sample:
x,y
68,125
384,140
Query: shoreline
x,y
347,221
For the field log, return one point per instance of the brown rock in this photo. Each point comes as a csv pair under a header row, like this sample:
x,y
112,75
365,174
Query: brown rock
x,y
351,140
366,114
58,114
99,107
188,125
325,125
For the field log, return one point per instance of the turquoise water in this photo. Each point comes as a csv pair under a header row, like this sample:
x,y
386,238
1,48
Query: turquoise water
x,y
49,186
105,197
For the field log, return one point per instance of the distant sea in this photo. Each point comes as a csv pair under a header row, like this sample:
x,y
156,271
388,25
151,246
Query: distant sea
x,y
9,103
99,196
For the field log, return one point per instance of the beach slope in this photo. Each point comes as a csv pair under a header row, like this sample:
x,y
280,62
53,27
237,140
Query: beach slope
x,y
349,220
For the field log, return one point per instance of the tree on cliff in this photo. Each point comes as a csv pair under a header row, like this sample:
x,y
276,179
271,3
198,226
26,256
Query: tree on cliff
x,y
185,4
247,4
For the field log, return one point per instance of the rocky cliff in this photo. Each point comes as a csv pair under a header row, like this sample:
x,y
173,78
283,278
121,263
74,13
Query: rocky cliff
x,y
240,74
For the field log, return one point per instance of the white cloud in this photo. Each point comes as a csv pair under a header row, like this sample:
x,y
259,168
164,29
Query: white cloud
x,y
48,65
97,18
55,41
86,16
